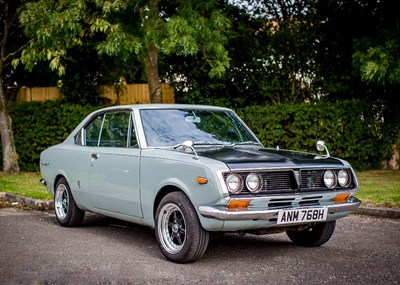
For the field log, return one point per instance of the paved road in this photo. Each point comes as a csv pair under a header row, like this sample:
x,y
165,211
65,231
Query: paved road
x,y
35,250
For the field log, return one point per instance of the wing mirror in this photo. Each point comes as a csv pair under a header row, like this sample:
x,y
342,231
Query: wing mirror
x,y
321,147
190,145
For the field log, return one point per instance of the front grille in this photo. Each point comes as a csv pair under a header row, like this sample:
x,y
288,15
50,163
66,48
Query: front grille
x,y
272,182
312,179
284,181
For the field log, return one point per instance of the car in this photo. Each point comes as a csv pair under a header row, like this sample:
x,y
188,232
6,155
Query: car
x,y
190,171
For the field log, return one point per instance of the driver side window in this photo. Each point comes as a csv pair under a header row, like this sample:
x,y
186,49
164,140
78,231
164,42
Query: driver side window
x,y
114,132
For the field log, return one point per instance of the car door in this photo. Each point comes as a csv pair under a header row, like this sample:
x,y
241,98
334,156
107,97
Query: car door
x,y
113,180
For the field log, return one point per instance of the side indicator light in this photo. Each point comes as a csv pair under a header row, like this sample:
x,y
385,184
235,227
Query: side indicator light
x,y
341,198
237,205
201,180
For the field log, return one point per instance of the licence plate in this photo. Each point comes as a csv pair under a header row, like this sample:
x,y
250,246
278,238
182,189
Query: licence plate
x,y
302,215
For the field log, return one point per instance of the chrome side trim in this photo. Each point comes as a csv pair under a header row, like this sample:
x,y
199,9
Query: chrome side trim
x,y
212,212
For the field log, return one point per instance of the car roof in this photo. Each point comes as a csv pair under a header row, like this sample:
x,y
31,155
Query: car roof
x,y
70,138
163,106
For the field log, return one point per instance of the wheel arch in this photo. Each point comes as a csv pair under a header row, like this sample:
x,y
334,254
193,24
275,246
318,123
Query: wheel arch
x,y
162,193
57,178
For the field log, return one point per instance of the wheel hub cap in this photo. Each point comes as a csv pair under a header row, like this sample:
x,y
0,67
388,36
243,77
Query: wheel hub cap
x,y
175,228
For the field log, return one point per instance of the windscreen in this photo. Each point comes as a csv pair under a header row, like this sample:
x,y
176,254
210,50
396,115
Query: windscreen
x,y
169,127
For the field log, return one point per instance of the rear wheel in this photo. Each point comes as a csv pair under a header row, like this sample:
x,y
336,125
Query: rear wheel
x,y
314,235
179,233
67,212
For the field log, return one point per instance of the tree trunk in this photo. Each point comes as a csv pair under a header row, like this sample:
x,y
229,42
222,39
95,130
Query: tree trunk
x,y
10,156
153,79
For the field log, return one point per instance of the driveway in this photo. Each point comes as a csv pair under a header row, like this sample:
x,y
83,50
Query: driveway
x,y
34,249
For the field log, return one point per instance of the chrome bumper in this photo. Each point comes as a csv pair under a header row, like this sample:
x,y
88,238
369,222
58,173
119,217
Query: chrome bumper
x,y
212,212
43,182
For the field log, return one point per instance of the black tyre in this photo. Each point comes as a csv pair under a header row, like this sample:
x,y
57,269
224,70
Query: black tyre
x,y
179,233
315,235
67,212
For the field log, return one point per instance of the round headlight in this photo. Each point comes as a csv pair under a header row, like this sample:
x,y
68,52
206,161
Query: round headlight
x,y
329,179
253,183
234,183
343,178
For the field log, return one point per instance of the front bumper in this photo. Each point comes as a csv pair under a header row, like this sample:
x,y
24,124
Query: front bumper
x,y
222,214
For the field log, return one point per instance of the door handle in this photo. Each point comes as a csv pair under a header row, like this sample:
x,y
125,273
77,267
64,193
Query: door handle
x,y
95,155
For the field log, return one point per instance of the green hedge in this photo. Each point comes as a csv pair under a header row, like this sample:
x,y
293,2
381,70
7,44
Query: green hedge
x,y
37,126
352,130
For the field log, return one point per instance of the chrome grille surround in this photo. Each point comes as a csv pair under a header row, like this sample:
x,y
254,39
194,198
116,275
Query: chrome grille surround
x,y
311,179
272,181
286,181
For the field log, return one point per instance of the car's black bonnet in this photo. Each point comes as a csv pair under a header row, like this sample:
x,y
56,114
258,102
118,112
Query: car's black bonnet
x,y
242,158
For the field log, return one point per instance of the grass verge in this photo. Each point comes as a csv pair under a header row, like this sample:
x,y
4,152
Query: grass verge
x,y
24,184
377,188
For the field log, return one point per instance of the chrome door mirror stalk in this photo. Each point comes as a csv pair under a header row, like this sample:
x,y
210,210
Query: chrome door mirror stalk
x,y
190,145
321,147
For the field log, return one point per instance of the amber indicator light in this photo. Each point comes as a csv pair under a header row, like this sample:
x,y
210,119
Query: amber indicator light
x,y
341,198
235,205
201,180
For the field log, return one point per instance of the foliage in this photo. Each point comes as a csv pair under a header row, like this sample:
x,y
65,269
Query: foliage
x,y
280,51
7,33
124,30
379,63
39,125
242,84
376,55
272,61
87,71
290,40
353,130
292,51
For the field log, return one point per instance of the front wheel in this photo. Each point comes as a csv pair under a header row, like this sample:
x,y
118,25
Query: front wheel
x,y
314,235
179,233
67,212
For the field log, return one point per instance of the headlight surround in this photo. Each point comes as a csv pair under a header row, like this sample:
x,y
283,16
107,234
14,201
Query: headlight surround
x,y
343,178
234,183
329,179
253,182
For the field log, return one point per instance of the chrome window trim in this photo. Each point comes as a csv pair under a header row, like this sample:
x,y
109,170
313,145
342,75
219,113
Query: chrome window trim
x,y
132,121
144,144
139,129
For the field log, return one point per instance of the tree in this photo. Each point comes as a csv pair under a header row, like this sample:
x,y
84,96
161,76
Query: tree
x,y
341,23
126,29
377,54
8,30
243,82
376,59
288,33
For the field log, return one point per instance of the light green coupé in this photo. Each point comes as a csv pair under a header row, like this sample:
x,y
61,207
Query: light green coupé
x,y
189,171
